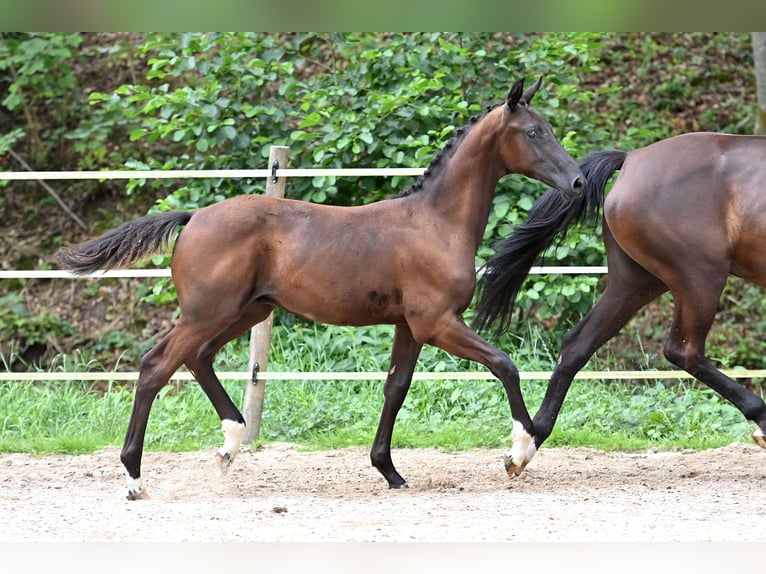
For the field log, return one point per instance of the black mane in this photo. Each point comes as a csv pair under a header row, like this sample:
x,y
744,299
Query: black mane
x,y
437,159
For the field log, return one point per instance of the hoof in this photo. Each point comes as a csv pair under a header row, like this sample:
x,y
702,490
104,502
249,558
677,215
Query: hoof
x,y
512,468
136,490
759,438
224,461
138,495
398,486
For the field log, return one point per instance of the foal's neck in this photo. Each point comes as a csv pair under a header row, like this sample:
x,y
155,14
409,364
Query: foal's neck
x,y
463,190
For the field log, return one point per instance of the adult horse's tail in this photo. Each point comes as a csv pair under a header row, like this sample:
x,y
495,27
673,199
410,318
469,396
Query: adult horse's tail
x,y
126,244
550,217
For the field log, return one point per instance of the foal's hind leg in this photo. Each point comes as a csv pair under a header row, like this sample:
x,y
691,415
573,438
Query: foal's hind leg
x,y
193,343
232,422
695,306
157,366
404,355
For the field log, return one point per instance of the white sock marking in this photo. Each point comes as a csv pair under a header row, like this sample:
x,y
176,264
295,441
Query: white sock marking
x,y
523,448
232,433
135,485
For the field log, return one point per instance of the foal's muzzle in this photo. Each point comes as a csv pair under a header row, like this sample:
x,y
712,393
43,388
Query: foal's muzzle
x,y
575,189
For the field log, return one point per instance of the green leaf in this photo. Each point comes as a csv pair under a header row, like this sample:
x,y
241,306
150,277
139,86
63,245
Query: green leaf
x,y
525,202
313,119
137,134
229,132
366,137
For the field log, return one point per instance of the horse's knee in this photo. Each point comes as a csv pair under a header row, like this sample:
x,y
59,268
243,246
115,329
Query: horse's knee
x,y
396,388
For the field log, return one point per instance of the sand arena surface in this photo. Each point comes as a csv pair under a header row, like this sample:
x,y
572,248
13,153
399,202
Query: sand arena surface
x,y
278,493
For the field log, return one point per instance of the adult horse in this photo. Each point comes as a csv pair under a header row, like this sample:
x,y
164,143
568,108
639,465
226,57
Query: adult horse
x,y
407,261
682,215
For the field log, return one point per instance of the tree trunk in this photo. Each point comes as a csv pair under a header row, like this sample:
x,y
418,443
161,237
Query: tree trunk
x,y
759,65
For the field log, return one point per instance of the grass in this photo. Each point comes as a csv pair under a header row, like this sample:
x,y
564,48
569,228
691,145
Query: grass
x,y
79,417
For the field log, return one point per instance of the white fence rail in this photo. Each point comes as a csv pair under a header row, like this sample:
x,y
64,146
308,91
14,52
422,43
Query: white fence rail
x,y
208,173
367,375
165,272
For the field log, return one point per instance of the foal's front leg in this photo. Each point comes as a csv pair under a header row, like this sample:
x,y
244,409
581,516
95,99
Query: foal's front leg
x,y
404,355
458,339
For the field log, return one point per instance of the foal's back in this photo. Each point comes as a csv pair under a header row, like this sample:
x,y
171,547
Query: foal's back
x,y
339,265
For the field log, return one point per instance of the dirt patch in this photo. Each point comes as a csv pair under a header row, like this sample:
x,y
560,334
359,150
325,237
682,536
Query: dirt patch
x,y
279,493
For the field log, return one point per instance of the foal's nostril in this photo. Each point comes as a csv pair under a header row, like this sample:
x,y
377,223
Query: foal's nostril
x,y
578,183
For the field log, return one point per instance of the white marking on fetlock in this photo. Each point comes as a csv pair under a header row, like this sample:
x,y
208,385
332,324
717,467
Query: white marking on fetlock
x,y
233,432
523,448
758,437
136,489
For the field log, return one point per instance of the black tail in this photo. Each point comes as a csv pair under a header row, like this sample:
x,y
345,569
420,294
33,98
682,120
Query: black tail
x,y
123,245
551,216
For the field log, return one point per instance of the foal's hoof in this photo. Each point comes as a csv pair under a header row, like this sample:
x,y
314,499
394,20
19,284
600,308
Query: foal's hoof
x,y
224,461
513,468
759,438
398,486
138,495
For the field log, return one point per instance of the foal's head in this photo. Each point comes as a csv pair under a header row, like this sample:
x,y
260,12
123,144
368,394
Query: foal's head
x,y
527,144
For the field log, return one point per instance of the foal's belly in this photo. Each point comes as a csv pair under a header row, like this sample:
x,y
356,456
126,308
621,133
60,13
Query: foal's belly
x,y
339,306
749,260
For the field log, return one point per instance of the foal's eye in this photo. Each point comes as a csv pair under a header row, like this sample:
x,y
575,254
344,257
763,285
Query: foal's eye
x,y
532,133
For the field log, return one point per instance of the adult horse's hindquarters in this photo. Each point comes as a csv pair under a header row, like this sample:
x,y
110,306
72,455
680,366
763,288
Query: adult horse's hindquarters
x,y
683,214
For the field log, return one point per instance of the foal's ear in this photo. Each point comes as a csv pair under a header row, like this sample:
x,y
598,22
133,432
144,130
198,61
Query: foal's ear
x,y
516,93
530,93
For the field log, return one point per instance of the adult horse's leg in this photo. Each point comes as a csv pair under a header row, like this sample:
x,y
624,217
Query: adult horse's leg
x,y
404,356
629,288
695,305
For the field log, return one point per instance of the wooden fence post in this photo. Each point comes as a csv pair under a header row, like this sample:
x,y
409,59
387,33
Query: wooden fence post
x,y
260,334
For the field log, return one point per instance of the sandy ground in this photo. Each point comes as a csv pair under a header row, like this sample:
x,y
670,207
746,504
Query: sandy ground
x,y
278,493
